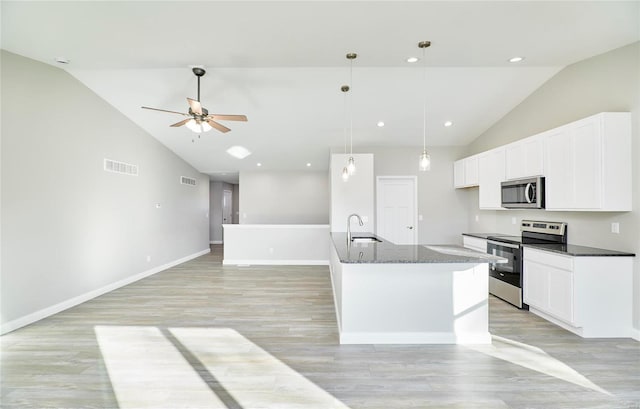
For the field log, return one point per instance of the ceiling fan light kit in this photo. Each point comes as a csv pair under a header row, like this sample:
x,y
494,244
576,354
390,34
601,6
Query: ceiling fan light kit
x,y
198,118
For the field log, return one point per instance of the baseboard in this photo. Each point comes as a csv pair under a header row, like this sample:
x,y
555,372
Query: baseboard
x,y
635,334
414,338
277,262
335,301
72,302
216,242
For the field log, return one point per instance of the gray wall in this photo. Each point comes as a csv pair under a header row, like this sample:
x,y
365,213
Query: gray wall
x,y
608,82
300,197
441,223
69,227
216,192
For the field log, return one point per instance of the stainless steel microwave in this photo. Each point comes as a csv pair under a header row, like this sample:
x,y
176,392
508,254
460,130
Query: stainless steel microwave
x,y
523,193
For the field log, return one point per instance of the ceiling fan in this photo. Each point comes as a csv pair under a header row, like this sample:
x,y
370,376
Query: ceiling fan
x,y
198,118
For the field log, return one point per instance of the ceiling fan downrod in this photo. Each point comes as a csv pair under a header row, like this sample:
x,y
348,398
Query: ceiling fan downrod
x,y
199,72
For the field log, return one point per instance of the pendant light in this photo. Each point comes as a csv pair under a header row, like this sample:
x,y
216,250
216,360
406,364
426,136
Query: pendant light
x,y
345,171
351,165
425,158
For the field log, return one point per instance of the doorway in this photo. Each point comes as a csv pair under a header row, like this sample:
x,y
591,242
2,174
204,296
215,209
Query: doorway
x,y
396,208
227,209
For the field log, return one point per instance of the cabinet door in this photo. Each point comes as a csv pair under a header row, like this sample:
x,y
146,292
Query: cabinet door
x,y
587,158
471,171
490,175
535,285
524,158
474,243
559,183
561,294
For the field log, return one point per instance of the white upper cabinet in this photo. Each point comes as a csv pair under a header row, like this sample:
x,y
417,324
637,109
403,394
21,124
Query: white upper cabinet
x,y
524,158
588,164
465,172
491,170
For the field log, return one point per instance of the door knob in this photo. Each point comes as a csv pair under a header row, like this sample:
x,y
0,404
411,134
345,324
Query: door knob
x,y
410,227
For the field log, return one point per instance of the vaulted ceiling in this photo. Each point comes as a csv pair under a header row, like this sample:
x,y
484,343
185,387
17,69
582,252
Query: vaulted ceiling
x,y
283,63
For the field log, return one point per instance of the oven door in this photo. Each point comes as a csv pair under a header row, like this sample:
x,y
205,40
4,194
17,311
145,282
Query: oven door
x,y
508,272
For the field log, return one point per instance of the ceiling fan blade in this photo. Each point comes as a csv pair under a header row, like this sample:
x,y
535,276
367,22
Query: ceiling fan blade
x,y
181,123
196,108
164,110
228,117
218,126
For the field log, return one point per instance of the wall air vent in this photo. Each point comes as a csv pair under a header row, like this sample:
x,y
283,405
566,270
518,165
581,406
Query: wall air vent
x,y
120,167
187,181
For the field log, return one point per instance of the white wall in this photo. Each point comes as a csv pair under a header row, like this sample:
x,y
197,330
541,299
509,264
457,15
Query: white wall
x,y
608,82
271,197
70,229
277,244
353,196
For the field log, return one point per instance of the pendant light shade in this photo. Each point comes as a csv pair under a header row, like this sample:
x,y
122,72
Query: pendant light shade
x,y
345,174
425,159
351,166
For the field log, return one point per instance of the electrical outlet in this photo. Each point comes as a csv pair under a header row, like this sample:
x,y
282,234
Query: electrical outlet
x,y
420,218
148,259
615,227
477,218
513,220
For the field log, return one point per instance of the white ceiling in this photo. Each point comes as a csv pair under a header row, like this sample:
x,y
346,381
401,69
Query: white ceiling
x,y
282,64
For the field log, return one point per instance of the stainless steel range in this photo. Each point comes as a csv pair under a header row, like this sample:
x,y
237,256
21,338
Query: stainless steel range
x,y
505,279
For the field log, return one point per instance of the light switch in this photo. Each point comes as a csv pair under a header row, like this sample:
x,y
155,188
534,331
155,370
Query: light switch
x,y
615,227
513,220
477,218
420,217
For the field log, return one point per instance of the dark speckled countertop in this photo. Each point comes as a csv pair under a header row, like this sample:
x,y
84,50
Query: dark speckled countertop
x,y
387,252
578,251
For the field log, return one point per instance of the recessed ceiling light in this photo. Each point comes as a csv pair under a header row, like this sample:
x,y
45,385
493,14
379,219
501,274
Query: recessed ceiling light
x,y
516,59
239,152
62,60
448,124
413,59
380,124
308,164
258,164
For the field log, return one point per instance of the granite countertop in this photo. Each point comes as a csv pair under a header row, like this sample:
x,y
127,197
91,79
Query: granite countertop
x,y
578,251
482,235
387,252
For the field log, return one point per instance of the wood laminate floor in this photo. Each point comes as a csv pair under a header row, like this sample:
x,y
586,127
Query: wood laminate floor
x,y
201,335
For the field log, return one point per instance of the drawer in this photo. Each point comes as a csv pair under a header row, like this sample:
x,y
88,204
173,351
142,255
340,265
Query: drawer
x,y
475,243
548,258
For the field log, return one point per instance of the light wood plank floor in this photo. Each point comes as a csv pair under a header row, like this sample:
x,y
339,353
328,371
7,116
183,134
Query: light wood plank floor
x,y
204,335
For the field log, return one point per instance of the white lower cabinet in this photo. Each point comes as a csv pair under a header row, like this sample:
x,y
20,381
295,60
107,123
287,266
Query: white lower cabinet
x,y
474,243
589,296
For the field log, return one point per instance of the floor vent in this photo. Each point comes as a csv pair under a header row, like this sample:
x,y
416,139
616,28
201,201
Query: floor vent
x,y
120,167
187,181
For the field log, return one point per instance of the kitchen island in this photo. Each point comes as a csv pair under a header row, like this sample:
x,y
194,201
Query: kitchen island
x,y
409,294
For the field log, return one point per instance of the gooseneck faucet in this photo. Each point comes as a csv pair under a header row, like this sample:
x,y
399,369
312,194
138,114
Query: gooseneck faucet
x,y
349,225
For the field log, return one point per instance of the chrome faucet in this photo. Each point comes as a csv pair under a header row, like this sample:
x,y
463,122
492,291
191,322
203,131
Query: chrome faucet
x,y
349,225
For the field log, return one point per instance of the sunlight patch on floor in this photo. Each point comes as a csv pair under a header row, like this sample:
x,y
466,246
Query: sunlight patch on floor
x,y
147,371
201,367
535,359
255,378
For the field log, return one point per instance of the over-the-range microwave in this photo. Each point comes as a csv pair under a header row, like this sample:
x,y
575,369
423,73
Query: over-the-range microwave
x,y
523,193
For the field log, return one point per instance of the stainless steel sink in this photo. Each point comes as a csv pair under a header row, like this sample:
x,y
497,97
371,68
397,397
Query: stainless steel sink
x,y
365,240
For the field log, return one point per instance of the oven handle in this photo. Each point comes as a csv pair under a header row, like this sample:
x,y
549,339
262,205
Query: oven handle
x,y
499,243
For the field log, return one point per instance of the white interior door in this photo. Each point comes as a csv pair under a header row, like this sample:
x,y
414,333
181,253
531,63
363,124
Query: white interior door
x,y
397,203
227,213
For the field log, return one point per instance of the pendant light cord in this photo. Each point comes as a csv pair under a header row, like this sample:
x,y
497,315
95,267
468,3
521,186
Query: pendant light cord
x,y
351,110
424,102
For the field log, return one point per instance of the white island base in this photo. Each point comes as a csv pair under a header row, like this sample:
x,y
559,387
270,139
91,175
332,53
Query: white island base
x,y
411,303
